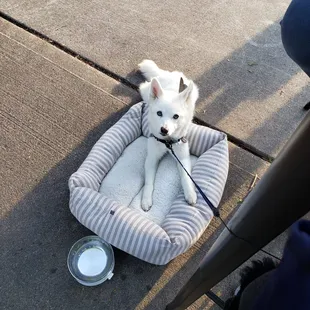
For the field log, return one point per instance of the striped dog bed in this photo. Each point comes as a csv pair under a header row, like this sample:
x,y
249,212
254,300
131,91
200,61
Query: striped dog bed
x,y
105,192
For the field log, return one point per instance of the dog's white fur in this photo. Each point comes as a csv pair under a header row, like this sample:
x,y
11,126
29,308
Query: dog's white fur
x,y
161,92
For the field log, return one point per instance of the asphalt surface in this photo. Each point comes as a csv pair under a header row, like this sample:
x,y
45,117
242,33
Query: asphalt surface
x,y
53,109
248,85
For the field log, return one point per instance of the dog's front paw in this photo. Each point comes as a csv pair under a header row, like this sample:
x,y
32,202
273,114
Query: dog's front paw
x,y
191,197
146,203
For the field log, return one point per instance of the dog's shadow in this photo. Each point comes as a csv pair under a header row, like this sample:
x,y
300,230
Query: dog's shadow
x,y
134,79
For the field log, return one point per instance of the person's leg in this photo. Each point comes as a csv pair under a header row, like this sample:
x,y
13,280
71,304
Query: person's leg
x,y
296,33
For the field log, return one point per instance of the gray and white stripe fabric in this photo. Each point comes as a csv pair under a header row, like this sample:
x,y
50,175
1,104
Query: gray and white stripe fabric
x,y
127,229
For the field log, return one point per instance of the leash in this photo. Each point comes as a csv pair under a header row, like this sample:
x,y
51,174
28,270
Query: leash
x,y
216,212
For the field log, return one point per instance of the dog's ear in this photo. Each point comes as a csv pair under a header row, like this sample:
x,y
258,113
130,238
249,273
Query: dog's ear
x,y
156,90
182,86
184,95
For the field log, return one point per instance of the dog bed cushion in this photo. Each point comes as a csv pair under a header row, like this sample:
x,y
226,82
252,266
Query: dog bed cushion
x,y
128,191
105,192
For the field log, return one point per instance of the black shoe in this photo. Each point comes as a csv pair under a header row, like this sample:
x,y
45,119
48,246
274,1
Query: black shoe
x,y
307,106
248,276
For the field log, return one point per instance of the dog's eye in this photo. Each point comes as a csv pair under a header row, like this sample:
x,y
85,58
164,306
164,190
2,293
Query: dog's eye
x,y
175,116
160,113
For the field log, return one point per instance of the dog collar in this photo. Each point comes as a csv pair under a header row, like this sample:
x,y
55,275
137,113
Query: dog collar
x,y
169,143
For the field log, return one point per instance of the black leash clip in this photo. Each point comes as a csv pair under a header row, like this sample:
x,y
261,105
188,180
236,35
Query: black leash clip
x,y
168,145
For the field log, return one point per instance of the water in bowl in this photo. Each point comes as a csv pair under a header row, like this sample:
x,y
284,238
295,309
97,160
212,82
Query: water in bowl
x,y
92,262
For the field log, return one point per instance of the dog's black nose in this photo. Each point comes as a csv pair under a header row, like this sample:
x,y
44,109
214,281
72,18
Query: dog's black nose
x,y
163,130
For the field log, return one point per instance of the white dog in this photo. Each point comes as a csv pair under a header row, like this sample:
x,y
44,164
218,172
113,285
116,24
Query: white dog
x,y
171,98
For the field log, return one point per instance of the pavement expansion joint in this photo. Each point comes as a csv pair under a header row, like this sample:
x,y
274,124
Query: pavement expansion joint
x,y
247,147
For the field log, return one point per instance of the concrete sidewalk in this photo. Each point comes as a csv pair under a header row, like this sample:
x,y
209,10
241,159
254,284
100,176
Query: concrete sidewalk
x,y
53,109
248,85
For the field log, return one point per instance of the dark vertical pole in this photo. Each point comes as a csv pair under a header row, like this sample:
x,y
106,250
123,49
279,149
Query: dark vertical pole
x,y
278,200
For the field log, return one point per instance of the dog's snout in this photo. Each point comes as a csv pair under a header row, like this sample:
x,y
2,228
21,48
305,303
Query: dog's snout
x,y
163,130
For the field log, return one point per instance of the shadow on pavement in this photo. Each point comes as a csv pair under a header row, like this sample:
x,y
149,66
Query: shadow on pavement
x,y
35,238
38,232
242,65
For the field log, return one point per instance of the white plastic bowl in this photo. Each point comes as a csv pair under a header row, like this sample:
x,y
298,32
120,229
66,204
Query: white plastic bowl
x,y
91,261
